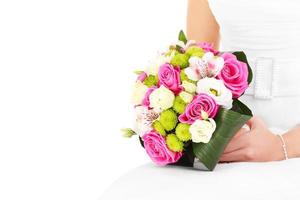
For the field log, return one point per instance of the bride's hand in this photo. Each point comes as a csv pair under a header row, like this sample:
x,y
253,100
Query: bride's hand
x,y
258,144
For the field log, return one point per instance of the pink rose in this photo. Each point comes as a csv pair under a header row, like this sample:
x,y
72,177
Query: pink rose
x,y
234,75
142,77
207,47
156,147
169,77
146,101
201,102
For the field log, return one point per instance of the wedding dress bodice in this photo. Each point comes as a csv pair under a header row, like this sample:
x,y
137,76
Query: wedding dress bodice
x,y
268,31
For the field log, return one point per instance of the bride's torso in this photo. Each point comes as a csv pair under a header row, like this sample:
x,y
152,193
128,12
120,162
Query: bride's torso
x,y
268,31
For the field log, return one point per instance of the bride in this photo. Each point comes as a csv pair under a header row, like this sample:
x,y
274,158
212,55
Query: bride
x,y
269,35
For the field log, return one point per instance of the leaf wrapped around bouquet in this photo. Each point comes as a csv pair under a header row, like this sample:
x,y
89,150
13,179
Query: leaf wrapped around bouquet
x,y
186,104
228,123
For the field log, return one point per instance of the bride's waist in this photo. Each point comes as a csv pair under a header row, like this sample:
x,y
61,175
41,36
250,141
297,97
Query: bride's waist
x,y
279,112
274,76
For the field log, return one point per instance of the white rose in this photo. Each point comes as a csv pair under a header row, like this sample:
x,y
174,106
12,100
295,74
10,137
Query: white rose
x,y
161,99
143,120
207,66
189,87
202,130
139,92
216,89
186,97
157,62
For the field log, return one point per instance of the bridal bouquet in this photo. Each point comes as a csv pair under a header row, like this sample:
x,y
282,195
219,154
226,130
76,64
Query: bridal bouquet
x,y
186,104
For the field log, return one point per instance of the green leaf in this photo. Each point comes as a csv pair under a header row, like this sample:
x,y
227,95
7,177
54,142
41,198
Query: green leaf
x,y
182,37
240,107
228,123
241,56
127,132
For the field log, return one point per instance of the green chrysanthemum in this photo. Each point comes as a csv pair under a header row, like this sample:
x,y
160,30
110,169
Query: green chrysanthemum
x,y
159,128
171,51
183,133
168,119
151,80
184,77
181,60
195,51
179,105
173,143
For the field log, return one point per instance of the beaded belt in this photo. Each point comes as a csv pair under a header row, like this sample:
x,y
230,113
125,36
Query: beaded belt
x,y
274,78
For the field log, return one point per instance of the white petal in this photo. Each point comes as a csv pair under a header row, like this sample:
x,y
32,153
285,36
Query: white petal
x,y
191,74
219,63
194,61
208,56
180,43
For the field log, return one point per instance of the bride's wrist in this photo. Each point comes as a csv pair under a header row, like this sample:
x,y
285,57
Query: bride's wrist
x,y
278,151
292,140
284,152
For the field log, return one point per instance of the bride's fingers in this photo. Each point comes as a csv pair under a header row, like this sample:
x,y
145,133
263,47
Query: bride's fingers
x,y
255,122
238,141
237,156
240,132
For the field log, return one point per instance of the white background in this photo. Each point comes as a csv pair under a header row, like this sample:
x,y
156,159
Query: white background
x,y
65,78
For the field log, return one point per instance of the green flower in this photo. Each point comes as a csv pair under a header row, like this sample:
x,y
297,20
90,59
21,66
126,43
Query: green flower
x,y
151,80
179,105
195,51
181,60
173,143
183,133
184,77
159,128
168,119
171,51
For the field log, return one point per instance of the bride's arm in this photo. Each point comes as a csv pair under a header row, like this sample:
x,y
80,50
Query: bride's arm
x,y
201,24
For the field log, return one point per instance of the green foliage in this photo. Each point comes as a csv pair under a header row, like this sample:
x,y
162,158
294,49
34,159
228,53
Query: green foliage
x,y
182,37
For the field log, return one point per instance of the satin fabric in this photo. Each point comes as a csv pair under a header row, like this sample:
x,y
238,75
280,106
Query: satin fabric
x,y
268,32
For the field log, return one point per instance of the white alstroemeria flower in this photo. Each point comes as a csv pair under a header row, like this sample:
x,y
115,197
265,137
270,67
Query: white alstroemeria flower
x,y
189,87
202,130
139,92
161,99
143,120
157,62
216,89
207,66
187,45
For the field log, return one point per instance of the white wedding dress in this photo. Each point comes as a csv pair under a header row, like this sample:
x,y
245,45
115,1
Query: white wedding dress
x,y
268,31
